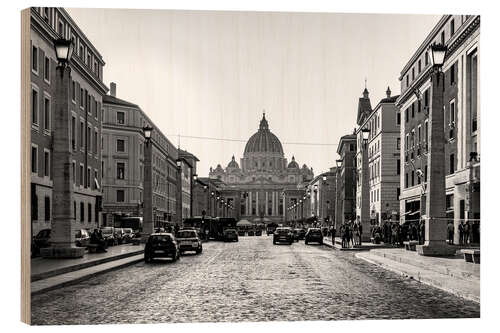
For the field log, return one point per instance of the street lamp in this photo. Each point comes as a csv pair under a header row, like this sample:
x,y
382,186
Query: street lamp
x,y
339,163
148,130
64,51
195,177
365,134
438,54
324,178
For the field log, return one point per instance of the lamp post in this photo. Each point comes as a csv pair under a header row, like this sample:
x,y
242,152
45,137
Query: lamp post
x,y
179,192
435,222
338,194
365,218
62,238
148,213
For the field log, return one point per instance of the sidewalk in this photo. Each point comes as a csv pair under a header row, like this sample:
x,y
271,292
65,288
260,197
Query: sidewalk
x,y
451,274
365,246
48,274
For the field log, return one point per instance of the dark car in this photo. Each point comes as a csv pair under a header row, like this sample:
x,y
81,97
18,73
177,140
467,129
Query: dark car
x,y
41,240
230,235
108,233
283,235
161,245
189,240
313,235
82,238
301,233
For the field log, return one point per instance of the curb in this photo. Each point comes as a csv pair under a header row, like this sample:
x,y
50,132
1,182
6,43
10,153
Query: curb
x,y
60,281
59,271
427,277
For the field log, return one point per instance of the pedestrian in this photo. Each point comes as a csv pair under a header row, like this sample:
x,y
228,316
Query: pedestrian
x,y
421,239
451,231
342,234
360,232
467,232
355,233
461,233
333,231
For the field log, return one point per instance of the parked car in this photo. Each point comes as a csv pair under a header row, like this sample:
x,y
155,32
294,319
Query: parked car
x,y
128,234
283,235
119,234
230,235
189,240
161,245
313,235
301,233
108,233
82,238
40,240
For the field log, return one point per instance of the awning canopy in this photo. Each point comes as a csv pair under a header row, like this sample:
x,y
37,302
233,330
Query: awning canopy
x,y
244,223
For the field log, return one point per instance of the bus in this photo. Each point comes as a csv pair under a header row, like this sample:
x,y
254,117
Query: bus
x,y
219,224
201,224
134,222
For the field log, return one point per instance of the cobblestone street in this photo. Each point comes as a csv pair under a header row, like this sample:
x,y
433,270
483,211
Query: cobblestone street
x,y
251,280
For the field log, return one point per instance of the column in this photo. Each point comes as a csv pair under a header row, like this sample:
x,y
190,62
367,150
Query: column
x,y
63,221
267,200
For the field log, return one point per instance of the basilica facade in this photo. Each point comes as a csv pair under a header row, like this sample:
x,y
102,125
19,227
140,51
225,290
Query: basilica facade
x,y
264,183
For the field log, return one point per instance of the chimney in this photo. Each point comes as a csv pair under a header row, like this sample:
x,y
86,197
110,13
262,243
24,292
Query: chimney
x,y
112,87
388,92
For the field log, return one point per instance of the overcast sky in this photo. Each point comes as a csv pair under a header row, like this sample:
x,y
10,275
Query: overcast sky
x,y
211,74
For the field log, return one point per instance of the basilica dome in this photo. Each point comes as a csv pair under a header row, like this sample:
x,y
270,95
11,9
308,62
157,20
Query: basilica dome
x,y
264,141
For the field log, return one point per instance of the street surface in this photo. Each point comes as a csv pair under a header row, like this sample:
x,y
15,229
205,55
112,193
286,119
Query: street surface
x,y
252,280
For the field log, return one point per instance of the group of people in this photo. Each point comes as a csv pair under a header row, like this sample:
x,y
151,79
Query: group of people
x,y
97,238
395,233
467,233
350,234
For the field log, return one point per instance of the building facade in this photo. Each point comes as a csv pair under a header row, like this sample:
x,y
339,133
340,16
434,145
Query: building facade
x,y
123,164
378,161
460,33
321,192
85,91
258,188
186,162
346,180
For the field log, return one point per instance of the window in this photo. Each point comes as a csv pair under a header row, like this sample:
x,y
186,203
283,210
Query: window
x,y
442,37
452,74
398,192
472,68
34,106
120,170
412,178
406,115
46,163
407,80
452,163
46,114
413,110
82,134
419,106
120,196
73,171
426,98
81,97
413,73
73,91
95,142
398,118
120,117
102,169
74,209
47,208
425,173
89,212
419,66
34,59
81,175
452,112
426,58
398,167
88,178
120,145
82,212
73,132
60,28
46,69
34,159
452,27
398,143
89,139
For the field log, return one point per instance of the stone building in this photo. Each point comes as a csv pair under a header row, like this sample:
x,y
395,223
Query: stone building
x,y
346,180
321,192
186,163
258,189
378,160
460,33
123,164
85,101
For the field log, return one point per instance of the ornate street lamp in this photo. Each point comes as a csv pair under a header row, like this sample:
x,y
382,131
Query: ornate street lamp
x,y
195,177
438,54
64,51
324,178
365,132
339,163
148,130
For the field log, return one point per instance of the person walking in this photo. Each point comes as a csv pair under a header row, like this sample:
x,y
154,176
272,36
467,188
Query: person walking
x,y
333,231
467,232
360,232
421,238
451,232
461,233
